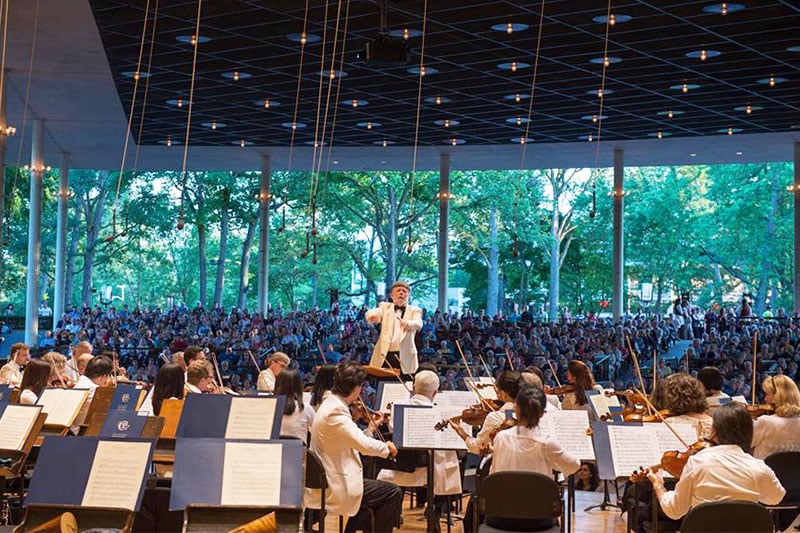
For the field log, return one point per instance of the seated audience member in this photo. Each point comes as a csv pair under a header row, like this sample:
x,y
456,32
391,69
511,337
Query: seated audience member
x,y
11,372
276,364
34,381
168,384
726,471
779,432
712,380
199,377
587,477
297,415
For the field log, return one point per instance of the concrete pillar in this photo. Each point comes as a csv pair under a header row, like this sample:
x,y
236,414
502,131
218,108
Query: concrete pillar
x,y
34,234
796,190
618,260
3,141
59,297
263,236
444,242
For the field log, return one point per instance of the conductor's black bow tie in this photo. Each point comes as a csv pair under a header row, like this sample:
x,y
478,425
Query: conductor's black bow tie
x,y
400,308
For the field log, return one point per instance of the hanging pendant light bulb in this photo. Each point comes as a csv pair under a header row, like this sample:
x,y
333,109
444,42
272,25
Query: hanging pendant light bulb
x,y
685,88
703,55
513,66
266,103
612,19
670,114
519,121
406,34
303,38
594,119
517,98
510,28
438,100
772,81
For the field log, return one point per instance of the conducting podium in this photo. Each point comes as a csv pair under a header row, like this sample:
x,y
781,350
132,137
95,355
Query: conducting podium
x,y
99,481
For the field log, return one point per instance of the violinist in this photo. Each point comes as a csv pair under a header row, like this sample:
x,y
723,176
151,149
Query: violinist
x,y
580,377
337,441
297,415
712,380
726,471
533,376
323,383
199,378
169,384
34,381
98,373
507,387
779,432
276,363
685,399
57,364
11,372
73,369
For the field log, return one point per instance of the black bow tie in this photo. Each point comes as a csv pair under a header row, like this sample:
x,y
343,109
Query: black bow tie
x,y
400,308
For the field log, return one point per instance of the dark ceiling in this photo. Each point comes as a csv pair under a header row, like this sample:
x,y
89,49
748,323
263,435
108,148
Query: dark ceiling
x,y
250,36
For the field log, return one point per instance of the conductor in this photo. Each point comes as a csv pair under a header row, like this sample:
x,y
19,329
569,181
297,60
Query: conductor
x,y
399,321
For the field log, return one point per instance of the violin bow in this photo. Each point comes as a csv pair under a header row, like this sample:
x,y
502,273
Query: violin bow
x,y
508,358
555,374
661,418
755,353
219,374
638,368
655,370
322,352
377,431
254,360
485,366
481,399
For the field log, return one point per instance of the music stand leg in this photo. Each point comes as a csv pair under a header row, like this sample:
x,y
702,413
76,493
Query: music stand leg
x,y
431,510
606,503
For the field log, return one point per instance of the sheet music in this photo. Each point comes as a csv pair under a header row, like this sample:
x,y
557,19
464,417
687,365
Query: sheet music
x,y
116,476
15,425
394,393
667,441
601,403
633,448
740,398
418,430
146,407
252,474
251,418
568,428
62,405
453,402
488,392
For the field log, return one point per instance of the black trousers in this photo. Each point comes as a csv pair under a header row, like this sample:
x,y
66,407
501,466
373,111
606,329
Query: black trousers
x,y
393,361
386,501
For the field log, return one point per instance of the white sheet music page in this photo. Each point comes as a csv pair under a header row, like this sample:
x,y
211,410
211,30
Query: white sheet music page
x,y
601,403
568,428
632,448
116,476
251,418
62,405
452,402
15,426
252,474
484,387
395,394
667,441
419,432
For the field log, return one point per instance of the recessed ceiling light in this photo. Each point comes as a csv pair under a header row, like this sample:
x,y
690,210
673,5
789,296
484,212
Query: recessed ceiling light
x,y
437,100
513,65
594,118
427,70
213,125
178,102
723,8
670,113
517,97
606,60
267,103
333,73
294,125
615,18
355,102
748,108
510,27
455,141
684,87
309,37
369,125
598,93
517,120
236,75
383,143
739,153
135,74
191,39
772,81
242,143
659,134
405,33
730,131
703,54
447,122
521,140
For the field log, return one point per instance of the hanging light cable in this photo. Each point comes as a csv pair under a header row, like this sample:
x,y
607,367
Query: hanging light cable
x,y
409,247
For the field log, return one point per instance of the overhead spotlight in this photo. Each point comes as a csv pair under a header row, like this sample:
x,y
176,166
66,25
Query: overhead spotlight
x,y
606,61
590,138
730,131
670,114
354,103
723,8
599,93
659,135
438,100
748,109
594,119
303,38
384,143
703,55
213,125
517,98
612,19
446,123
685,88
369,125
332,74
406,34
193,40
179,103
242,143
422,70
513,66
266,103
772,81
510,28
169,142
137,75
236,75
519,121
454,141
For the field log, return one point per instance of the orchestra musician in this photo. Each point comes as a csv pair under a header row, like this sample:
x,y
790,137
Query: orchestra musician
x,y
297,415
34,381
685,399
169,384
199,377
779,432
11,372
323,384
395,347
580,377
276,363
712,380
98,373
337,441
73,370
58,366
507,387
726,471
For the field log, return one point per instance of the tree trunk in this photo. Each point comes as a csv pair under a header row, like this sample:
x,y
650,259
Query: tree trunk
x,y
223,245
767,246
244,269
494,265
72,255
93,213
555,256
201,247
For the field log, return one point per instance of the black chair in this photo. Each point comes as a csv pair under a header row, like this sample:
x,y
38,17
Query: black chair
x,y
513,501
728,516
316,479
786,466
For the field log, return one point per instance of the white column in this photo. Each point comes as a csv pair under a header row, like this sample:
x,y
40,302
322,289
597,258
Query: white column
x,y
619,238
263,236
444,215
3,141
34,234
59,298
796,190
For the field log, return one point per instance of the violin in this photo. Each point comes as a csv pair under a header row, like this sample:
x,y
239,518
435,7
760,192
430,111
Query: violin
x,y
362,413
560,390
634,410
673,461
760,410
476,414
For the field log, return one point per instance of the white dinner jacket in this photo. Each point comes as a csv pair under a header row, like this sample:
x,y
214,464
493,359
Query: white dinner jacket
x,y
408,350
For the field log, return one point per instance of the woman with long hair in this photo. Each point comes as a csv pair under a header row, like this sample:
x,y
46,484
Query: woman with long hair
x,y
34,381
580,377
169,384
779,432
323,384
297,416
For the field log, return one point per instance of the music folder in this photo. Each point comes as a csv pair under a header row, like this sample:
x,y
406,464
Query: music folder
x,y
240,417
237,473
5,393
126,397
122,425
91,472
